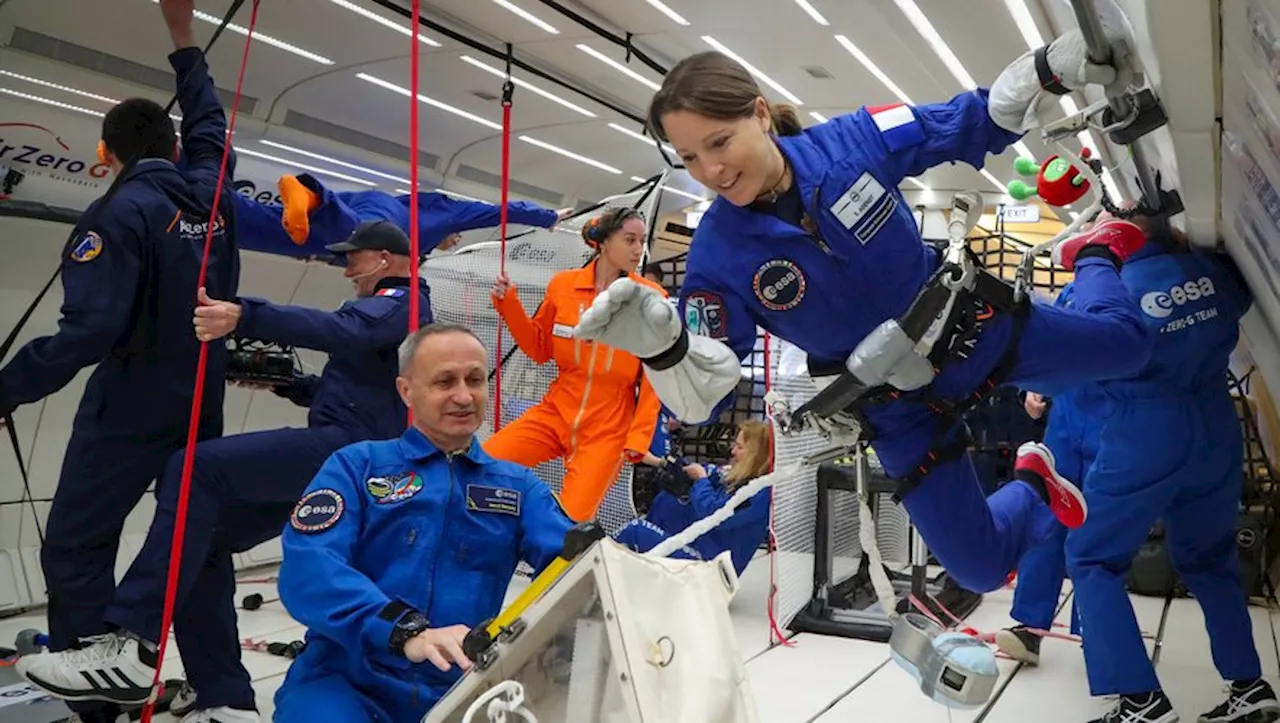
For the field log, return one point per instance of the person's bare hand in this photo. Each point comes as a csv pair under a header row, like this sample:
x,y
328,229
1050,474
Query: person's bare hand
x,y
440,646
501,285
563,213
1035,405
695,471
214,319
179,16
253,386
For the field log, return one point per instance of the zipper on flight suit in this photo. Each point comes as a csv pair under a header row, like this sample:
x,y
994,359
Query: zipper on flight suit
x,y
586,394
435,562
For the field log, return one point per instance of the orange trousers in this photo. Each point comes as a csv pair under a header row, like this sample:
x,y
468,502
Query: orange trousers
x,y
592,461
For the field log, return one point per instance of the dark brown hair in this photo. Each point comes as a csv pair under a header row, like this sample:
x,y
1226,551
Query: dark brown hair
x,y
714,85
600,228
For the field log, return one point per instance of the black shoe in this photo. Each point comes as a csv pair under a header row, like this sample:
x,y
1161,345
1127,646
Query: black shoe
x,y
1020,644
1248,701
1153,707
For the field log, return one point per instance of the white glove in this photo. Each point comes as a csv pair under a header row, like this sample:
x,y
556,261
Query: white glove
x,y
1012,101
630,317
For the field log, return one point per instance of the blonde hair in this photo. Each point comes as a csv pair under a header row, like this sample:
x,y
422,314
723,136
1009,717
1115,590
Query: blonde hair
x,y
757,459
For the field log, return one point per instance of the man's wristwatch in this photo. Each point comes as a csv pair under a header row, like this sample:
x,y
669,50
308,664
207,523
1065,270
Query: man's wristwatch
x,y
406,628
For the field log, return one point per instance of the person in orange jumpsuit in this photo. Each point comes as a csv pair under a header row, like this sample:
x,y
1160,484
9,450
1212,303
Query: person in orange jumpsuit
x,y
600,411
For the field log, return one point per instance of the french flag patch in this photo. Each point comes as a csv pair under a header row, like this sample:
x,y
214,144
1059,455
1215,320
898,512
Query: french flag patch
x,y
390,292
898,125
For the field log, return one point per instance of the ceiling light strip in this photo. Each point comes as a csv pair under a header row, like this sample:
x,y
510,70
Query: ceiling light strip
x,y
200,15
523,84
570,154
527,16
385,22
752,69
931,36
618,66
54,103
813,12
334,161
874,69
430,101
662,8
294,164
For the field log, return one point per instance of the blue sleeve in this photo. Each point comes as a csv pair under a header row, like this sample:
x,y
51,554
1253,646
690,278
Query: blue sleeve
x,y
1237,287
708,495
902,141
709,311
543,525
318,584
365,324
204,125
450,215
1065,296
302,391
100,277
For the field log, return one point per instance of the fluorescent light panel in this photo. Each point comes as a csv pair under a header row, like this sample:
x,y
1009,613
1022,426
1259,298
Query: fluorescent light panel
x,y
69,89
385,22
430,101
640,137
918,184
927,31
334,161
533,88
570,154
813,12
752,69
303,166
528,16
618,67
817,116
1026,24
662,8
678,192
874,69
261,37
54,103
994,181
405,192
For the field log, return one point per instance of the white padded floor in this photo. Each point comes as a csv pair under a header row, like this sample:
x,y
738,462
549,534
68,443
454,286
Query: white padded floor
x,y
829,680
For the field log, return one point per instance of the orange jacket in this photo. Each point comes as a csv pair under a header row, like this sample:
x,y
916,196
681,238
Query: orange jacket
x,y
595,392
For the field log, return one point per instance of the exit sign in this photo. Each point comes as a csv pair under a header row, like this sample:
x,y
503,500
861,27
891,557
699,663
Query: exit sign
x,y
1021,214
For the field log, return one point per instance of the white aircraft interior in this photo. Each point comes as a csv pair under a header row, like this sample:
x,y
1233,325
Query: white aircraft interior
x,y
326,91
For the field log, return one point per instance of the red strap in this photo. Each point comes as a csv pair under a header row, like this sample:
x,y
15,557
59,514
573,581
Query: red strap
x,y
502,259
193,427
414,260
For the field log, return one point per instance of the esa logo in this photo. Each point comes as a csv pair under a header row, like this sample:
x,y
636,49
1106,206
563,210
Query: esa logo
x,y
1160,304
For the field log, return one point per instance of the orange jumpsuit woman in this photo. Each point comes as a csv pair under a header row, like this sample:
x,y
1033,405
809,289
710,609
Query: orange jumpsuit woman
x,y
600,410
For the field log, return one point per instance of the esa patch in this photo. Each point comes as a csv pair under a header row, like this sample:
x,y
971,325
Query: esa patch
x,y
483,498
779,285
390,292
87,248
704,314
317,511
394,488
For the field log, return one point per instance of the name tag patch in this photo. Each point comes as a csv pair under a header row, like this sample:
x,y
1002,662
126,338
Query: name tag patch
x,y
865,207
562,331
317,511
482,498
394,488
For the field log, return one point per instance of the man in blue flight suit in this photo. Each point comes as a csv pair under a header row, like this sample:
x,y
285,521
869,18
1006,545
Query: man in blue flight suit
x,y
1072,436
1171,448
243,486
129,290
399,547
312,215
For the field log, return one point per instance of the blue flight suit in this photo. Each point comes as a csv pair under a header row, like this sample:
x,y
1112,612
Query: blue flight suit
x,y
129,293
1172,448
1072,435
391,527
660,443
243,486
341,211
741,534
861,263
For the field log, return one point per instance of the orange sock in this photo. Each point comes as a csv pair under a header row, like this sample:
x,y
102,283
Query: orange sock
x,y
298,201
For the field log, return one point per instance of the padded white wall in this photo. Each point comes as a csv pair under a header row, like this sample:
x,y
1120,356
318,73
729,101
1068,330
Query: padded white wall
x,y
29,250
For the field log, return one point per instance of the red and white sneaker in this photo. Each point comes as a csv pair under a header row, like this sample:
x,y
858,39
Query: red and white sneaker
x,y
1123,238
1065,499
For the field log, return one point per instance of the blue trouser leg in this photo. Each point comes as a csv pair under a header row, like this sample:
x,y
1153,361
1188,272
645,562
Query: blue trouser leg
x,y
340,212
103,478
319,687
323,697
641,536
259,227
211,658
260,468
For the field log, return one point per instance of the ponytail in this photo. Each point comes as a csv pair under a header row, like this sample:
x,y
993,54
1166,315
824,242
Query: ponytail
x,y
785,118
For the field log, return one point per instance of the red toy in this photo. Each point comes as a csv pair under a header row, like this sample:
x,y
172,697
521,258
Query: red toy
x,y
1057,181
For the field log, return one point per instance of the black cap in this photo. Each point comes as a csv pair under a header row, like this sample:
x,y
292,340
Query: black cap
x,y
374,236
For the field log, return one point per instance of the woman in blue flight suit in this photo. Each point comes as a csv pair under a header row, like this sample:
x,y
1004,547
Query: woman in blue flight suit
x,y
810,240
311,216
1172,448
694,492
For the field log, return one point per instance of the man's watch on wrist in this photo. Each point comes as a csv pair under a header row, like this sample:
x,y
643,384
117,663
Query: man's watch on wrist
x,y
406,628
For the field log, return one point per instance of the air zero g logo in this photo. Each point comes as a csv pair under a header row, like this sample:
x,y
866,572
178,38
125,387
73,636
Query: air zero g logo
x,y
317,511
779,285
1160,304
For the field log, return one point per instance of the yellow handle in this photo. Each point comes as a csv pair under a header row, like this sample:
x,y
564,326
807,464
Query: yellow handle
x,y
539,585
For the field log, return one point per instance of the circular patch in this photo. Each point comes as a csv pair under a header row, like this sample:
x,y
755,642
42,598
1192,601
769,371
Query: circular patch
x,y
779,285
87,248
317,511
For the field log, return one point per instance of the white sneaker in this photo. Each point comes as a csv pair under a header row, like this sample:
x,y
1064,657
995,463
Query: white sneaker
x,y
222,715
110,669
184,701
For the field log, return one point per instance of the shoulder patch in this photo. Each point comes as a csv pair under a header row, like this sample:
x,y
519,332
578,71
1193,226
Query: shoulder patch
x,y
87,248
394,488
486,498
390,292
898,125
704,315
317,511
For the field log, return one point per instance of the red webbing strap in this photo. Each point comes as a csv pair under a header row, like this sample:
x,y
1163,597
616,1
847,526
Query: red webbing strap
x,y
414,259
775,632
193,427
507,89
